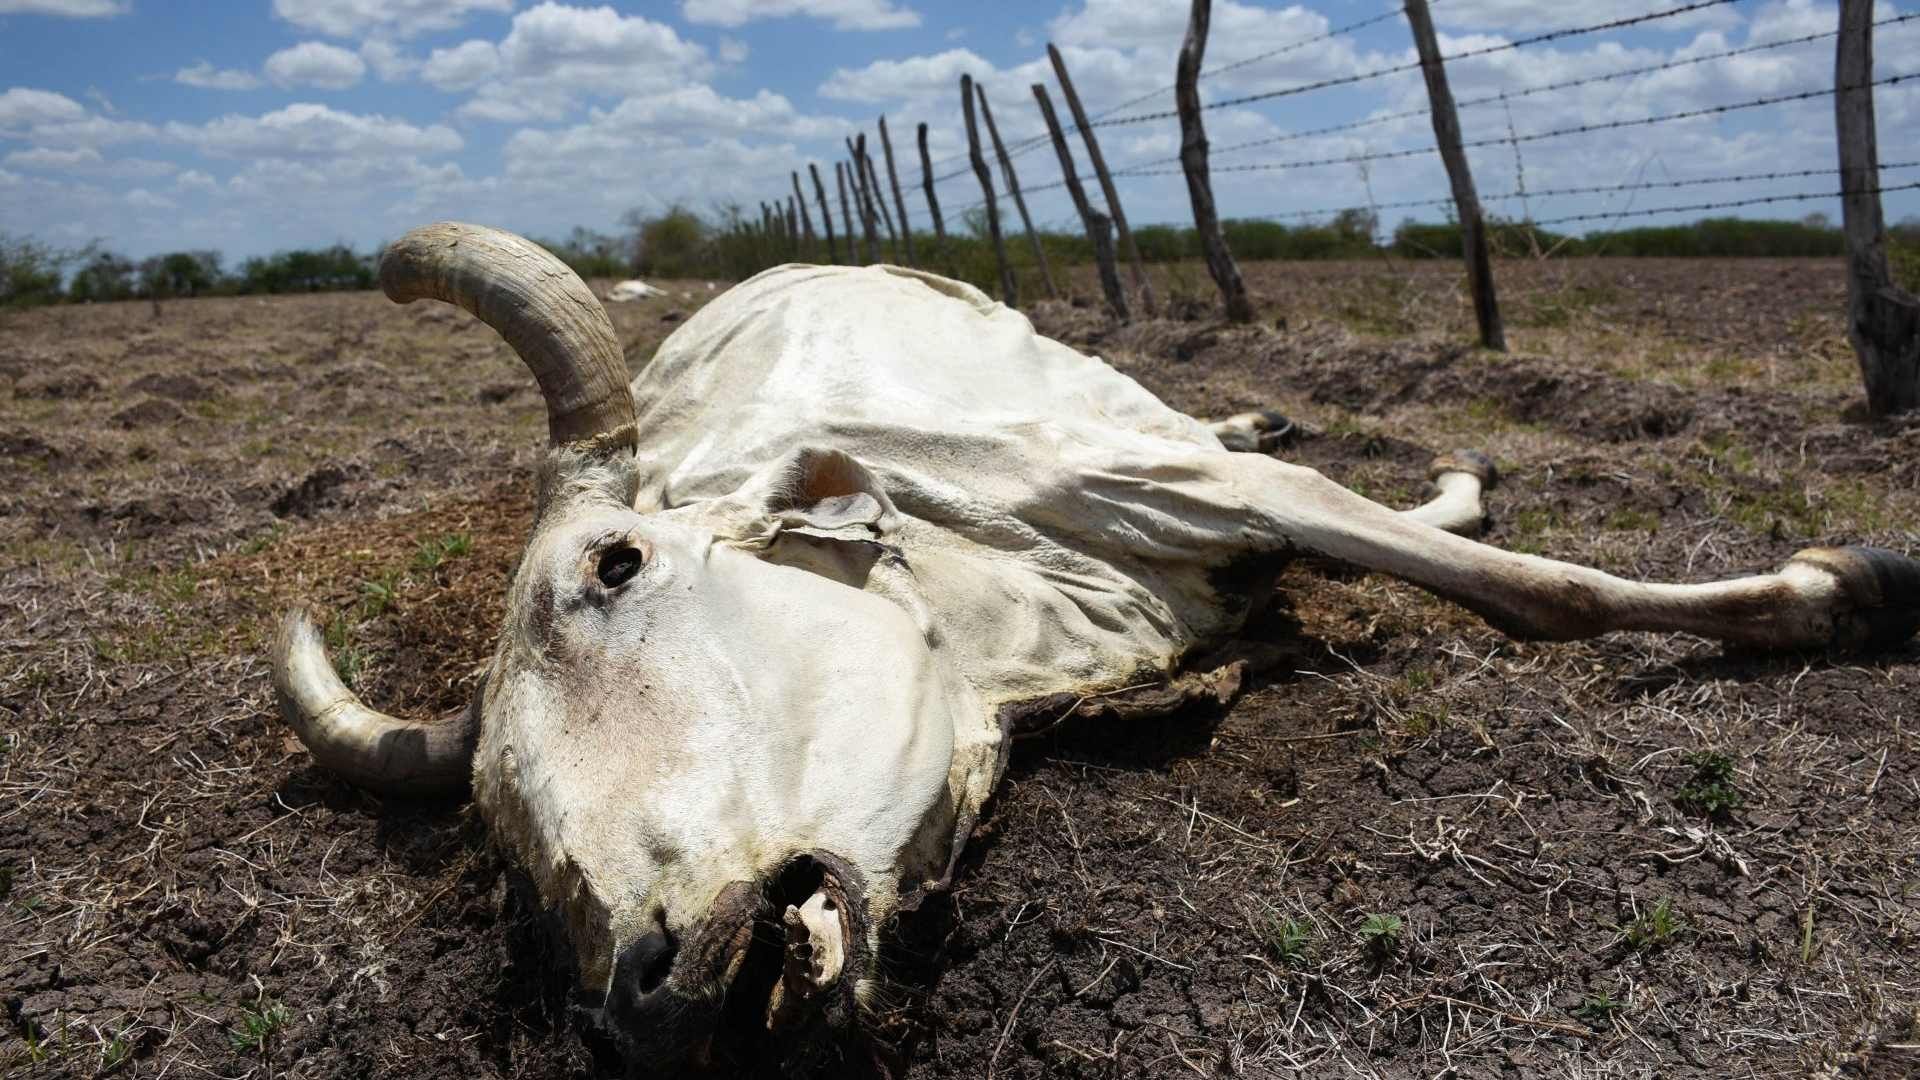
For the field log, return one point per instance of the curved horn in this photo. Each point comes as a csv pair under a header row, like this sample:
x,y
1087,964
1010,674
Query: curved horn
x,y
368,748
540,307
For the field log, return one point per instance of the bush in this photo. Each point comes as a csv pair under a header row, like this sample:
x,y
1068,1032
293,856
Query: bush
x,y
672,244
333,269
29,272
591,254
105,277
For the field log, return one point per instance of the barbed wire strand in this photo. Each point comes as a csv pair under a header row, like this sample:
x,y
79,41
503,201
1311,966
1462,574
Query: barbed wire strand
x,y
1694,208
1567,84
1533,136
1151,168
1377,73
1038,141
1590,189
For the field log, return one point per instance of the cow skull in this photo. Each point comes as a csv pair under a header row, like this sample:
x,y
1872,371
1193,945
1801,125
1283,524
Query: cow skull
x,y
689,748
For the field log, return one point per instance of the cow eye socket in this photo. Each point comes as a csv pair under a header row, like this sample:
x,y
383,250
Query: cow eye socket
x,y
618,565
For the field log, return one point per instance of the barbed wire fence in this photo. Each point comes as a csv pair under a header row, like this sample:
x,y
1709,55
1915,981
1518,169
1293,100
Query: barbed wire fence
x,y
1857,180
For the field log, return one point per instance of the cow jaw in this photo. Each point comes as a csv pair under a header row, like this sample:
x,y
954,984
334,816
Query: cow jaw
x,y
657,753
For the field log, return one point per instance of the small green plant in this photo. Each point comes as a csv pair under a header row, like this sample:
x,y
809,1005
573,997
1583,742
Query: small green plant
x,y
1287,939
432,553
349,660
1380,935
377,597
1599,1010
1627,520
1710,790
115,1052
37,1052
265,540
1656,927
257,1027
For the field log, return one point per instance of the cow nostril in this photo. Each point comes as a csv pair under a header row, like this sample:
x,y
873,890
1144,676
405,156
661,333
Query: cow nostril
x,y
645,964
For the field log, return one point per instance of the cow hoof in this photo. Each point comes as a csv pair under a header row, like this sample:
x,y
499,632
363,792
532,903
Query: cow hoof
x,y
1880,593
1472,462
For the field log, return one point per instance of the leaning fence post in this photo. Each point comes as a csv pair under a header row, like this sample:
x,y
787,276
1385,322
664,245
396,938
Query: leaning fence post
x,y
793,227
933,201
893,177
826,219
1112,194
1099,227
862,199
1883,320
806,219
1009,295
846,212
1446,132
1013,188
1193,162
880,201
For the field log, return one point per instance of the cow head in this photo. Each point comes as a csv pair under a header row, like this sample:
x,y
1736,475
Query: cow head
x,y
720,766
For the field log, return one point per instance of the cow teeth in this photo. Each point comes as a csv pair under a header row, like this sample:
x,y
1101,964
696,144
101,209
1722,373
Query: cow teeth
x,y
826,937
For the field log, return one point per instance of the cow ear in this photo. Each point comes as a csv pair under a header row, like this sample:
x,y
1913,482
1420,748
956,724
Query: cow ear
x,y
814,490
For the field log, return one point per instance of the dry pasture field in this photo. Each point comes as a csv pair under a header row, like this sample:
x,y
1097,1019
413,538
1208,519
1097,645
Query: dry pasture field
x,y
1410,849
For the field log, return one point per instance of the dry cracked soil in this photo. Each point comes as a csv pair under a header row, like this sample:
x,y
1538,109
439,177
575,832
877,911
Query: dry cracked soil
x,y
1411,848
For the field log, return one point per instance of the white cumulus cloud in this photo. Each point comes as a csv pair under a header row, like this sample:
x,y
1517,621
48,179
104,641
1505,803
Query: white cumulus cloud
x,y
844,14
22,108
315,64
399,18
310,130
555,55
203,74
462,67
71,9
387,60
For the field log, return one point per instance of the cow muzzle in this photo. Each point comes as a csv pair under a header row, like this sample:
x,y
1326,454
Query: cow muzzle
x,y
768,982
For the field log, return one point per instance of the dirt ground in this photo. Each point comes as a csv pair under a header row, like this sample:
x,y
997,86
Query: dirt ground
x,y
1411,848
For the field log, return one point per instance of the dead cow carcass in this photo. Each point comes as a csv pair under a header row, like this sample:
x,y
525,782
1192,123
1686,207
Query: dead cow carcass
x,y
630,290
785,593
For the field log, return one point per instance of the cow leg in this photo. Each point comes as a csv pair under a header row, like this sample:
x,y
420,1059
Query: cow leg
x,y
1853,597
1252,432
1459,476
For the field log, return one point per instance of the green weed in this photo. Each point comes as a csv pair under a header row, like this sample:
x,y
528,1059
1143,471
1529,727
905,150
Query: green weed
x,y
1380,935
1711,789
257,1027
1657,927
1286,939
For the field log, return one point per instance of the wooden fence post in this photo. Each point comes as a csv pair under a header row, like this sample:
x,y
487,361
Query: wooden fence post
x,y
933,201
1009,295
793,227
880,201
1013,187
1883,320
806,219
840,177
1112,194
862,199
826,219
1193,162
893,177
1446,132
1099,227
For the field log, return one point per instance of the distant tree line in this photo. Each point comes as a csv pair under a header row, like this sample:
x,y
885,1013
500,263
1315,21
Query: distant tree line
x,y
727,245
35,273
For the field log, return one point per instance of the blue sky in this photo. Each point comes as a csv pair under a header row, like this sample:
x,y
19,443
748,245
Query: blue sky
x,y
155,125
